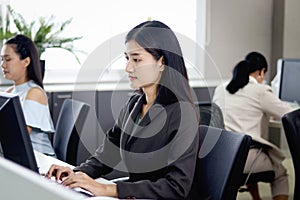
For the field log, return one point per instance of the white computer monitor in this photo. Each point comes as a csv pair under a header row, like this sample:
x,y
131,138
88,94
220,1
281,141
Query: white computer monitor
x,y
18,182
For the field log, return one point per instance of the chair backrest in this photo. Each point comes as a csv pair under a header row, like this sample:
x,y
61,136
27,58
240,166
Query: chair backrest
x,y
291,126
69,125
220,165
211,114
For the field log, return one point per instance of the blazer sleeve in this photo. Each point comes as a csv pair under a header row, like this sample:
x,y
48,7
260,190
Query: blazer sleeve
x,y
272,105
176,180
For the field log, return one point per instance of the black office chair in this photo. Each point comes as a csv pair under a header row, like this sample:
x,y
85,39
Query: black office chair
x,y
220,165
210,114
250,181
291,126
68,129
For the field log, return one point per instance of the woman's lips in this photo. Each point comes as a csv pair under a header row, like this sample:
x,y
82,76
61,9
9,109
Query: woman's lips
x,y
132,78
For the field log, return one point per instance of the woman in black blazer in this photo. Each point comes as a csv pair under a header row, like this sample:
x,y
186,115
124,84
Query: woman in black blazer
x,y
156,133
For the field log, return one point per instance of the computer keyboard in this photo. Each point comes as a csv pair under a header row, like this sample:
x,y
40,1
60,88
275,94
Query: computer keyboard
x,y
83,191
76,189
292,104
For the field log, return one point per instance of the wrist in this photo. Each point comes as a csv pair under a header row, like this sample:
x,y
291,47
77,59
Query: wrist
x,y
110,190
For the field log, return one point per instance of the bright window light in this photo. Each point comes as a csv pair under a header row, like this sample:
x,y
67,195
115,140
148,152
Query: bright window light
x,y
98,21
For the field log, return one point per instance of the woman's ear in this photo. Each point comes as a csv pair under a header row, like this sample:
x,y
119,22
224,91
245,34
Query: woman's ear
x,y
162,68
262,71
161,64
27,61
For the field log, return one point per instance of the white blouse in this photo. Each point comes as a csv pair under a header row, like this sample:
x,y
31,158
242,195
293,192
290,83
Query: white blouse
x,y
38,117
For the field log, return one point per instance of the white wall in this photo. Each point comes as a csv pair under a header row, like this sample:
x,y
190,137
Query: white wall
x,y
234,29
291,38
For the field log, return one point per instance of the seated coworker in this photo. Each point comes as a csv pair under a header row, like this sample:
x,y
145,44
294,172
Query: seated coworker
x,y
21,64
156,133
247,104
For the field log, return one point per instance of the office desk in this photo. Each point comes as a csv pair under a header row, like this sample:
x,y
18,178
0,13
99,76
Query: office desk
x,y
276,133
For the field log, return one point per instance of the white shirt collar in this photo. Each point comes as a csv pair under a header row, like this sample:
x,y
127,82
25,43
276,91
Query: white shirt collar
x,y
252,80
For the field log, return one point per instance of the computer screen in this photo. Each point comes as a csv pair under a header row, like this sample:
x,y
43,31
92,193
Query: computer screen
x,y
289,84
14,138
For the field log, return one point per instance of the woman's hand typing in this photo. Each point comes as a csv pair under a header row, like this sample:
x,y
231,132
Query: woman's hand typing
x,y
59,172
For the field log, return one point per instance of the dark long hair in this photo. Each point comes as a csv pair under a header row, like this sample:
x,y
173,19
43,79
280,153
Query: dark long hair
x,y
160,41
253,61
25,47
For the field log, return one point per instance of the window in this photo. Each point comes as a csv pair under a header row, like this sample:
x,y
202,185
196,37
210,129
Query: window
x,y
99,21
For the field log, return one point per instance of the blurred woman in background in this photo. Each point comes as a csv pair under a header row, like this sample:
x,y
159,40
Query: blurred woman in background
x,y
247,105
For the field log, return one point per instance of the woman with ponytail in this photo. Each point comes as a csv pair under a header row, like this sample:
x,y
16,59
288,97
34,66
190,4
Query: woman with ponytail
x,y
240,77
247,105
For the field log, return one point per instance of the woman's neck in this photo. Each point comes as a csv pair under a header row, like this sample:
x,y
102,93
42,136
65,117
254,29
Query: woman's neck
x,y
20,81
150,94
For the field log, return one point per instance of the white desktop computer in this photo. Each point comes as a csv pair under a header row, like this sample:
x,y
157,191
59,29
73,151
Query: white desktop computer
x,y
18,182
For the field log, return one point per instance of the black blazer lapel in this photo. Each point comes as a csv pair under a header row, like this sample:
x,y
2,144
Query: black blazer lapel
x,y
130,122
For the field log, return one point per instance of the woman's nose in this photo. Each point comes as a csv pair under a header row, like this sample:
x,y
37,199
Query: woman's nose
x,y
2,64
129,67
